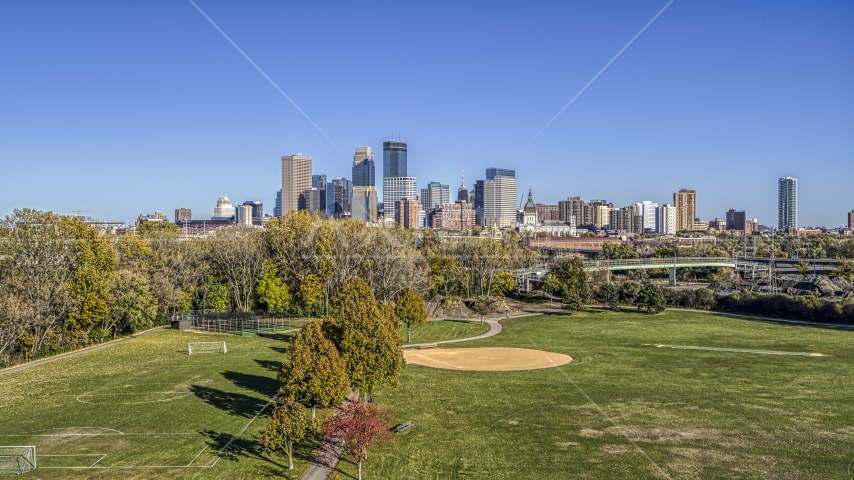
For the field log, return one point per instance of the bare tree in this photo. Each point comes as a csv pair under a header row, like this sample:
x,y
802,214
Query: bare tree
x,y
238,256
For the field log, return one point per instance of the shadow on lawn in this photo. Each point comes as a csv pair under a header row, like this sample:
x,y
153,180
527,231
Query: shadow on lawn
x,y
274,463
257,383
270,365
234,403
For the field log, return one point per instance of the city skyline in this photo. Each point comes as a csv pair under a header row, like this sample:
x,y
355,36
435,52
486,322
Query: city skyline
x,y
85,115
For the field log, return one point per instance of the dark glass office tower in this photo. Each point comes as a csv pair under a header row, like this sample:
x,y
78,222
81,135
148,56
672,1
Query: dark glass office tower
x,y
364,174
478,194
394,159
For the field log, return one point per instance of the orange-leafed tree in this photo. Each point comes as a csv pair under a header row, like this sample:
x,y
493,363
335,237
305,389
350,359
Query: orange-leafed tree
x,y
357,427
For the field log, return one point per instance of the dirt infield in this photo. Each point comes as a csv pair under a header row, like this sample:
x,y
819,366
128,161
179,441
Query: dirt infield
x,y
486,359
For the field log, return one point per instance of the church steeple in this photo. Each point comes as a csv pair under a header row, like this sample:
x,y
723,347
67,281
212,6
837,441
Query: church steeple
x,y
530,210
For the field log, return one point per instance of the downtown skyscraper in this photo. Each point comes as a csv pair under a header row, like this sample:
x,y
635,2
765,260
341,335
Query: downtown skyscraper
x,y
394,159
364,200
296,178
396,184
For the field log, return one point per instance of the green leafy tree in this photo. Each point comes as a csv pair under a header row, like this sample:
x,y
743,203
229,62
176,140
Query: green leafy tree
x,y
217,297
572,277
409,307
613,251
369,342
313,371
503,284
628,292
551,284
287,424
609,296
134,306
272,291
651,298
571,302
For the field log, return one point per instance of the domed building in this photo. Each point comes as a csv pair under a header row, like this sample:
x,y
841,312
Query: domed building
x,y
223,209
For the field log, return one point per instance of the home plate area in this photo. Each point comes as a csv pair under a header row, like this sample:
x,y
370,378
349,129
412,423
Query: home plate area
x,y
486,359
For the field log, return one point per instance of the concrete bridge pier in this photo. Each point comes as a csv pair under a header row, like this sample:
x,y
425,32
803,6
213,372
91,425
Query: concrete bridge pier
x,y
673,277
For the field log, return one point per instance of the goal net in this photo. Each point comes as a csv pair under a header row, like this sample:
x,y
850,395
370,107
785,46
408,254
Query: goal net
x,y
17,459
206,347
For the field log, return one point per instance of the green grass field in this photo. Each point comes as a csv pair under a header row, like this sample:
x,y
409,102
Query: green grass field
x,y
434,331
143,409
622,409
692,414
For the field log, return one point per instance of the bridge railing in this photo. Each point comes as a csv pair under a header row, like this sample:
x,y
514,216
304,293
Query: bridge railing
x,y
664,262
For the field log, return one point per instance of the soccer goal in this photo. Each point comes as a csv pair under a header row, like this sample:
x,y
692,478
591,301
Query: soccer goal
x,y
17,459
206,347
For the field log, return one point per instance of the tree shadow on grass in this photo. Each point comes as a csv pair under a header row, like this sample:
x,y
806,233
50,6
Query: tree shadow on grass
x,y
270,365
237,404
274,464
282,337
279,349
257,383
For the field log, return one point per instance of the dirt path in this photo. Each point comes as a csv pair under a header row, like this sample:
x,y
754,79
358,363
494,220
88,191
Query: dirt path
x,y
35,363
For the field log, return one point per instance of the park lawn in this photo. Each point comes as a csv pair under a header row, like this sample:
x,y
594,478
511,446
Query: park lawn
x,y
438,330
692,414
146,409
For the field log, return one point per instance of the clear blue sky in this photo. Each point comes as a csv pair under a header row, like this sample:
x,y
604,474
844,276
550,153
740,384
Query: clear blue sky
x,y
122,108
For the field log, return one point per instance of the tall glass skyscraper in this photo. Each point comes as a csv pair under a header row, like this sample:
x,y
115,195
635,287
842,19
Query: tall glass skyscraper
x,y
363,168
394,159
319,182
787,212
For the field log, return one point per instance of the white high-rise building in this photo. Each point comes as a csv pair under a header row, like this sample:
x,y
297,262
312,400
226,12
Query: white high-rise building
x,y
394,189
648,211
787,213
244,215
499,201
665,221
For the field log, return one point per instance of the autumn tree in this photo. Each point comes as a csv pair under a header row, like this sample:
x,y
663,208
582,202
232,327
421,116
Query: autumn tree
x,y
313,371
369,342
357,427
481,308
286,425
803,268
310,294
46,262
409,307
272,291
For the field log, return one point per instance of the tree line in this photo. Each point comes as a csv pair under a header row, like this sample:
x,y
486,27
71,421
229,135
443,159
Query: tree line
x,y
64,285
